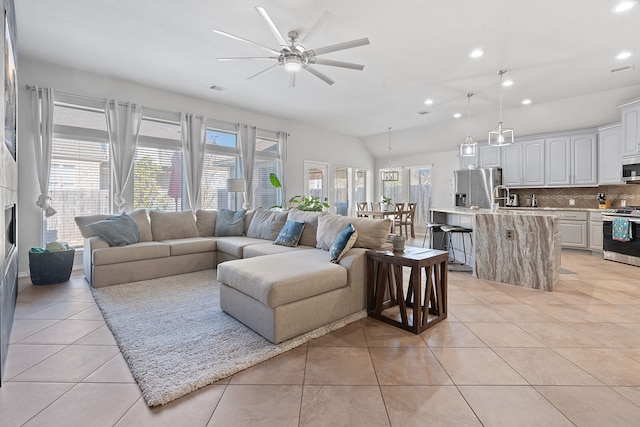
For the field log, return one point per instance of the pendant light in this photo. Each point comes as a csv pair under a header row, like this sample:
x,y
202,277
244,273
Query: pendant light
x,y
390,174
469,147
500,135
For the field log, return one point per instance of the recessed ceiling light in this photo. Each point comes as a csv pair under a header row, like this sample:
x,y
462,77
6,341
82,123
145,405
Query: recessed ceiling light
x,y
624,6
476,53
526,101
457,115
507,83
623,55
429,101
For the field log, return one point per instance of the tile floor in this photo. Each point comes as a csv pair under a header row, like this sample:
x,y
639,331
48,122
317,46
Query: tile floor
x,y
506,356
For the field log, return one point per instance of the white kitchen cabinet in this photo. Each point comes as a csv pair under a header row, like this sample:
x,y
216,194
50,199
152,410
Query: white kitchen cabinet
x,y
574,229
630,128
523,164
595,231
571,160
489,156
609,160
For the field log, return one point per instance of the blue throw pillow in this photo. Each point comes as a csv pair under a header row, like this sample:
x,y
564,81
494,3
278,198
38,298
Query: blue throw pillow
x,y
343,243
119,230
230,223
290,234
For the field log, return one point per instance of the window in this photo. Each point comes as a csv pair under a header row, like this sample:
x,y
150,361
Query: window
x,y
221,162
420,192
158,179
267,161
341,185
361,185
79,183
393,189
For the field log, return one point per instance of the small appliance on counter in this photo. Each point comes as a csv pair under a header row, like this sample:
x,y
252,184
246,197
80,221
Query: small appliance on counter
x,y
513,201
603,202
534,201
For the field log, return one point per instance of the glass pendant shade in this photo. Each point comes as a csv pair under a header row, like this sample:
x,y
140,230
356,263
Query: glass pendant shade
x,y
469,147
500,135
389,174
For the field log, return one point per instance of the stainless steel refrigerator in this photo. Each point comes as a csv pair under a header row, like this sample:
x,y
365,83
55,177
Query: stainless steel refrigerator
x,y
474,187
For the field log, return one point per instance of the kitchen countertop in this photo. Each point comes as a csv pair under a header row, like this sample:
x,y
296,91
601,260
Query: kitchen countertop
x,y
508,210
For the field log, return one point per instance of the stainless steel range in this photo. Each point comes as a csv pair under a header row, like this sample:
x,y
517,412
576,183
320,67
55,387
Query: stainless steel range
x,y
627,252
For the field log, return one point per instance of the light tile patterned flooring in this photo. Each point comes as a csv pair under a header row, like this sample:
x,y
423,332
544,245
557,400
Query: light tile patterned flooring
x,y
506,356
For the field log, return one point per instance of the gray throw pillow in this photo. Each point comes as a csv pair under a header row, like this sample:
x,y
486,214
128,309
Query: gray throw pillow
x,y
120,230
206,222
290,234
230,223
266,224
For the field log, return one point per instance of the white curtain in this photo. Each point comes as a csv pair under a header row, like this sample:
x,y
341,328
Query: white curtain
x,y
43,139
123,126
247,141
283,139
194,131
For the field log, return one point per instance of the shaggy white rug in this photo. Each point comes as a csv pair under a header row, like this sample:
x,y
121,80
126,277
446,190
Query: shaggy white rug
x,y
176,339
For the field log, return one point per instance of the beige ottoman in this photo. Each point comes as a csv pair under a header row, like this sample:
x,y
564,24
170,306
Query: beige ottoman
x,y
284,295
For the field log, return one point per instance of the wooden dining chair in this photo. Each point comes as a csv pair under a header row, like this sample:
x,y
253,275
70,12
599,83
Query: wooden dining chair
x,y
362,206
398,218
409,220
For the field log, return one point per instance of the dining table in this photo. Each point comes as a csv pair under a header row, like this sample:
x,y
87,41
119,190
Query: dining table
x,y
382,214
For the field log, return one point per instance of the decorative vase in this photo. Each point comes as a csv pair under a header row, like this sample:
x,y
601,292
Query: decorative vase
x,y
398,243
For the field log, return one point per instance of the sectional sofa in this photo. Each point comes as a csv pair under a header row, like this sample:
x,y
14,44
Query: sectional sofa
x,y
277,290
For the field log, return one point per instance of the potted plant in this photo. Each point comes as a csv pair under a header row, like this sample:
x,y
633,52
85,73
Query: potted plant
x,y
275,182
397,240
310,204
386,201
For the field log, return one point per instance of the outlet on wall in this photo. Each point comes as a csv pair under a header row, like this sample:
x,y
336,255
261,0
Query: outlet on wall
x,y
509,234
572,202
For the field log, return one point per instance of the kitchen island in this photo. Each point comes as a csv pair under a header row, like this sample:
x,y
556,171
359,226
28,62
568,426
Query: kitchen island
x,y
509,246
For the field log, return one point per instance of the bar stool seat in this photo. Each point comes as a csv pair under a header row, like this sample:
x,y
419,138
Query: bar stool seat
x,y
432,227
448,231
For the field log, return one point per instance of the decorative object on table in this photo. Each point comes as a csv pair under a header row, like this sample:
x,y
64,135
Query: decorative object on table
x,y
292,55
52,264
397,241
308,204
469,147
389,174
500,135
386,202
603,202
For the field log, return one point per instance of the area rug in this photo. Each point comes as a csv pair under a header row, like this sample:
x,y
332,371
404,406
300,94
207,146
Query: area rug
x,y
176,339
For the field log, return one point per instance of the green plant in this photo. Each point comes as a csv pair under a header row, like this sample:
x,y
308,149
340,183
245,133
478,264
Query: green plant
x,y
386,200
275,182
311,203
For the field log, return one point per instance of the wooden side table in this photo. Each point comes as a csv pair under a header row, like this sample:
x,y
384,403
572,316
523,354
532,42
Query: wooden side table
x,y
385,288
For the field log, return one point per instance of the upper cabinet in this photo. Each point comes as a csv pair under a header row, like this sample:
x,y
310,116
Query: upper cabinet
x,y
630,128
523,164
609,147
571,160
489,156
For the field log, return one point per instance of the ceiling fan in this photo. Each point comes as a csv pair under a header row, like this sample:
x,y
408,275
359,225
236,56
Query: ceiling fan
x,y
292,55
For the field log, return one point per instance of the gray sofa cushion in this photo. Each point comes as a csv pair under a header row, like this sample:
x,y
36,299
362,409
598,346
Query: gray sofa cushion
x,y
372,233
230,223
141,218
310,220
206,222
234,245
191,245
172,225
272,281
118,230
266,224
135,252
269,249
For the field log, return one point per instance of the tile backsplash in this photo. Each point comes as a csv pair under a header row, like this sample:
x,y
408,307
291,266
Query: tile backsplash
x,y
585,197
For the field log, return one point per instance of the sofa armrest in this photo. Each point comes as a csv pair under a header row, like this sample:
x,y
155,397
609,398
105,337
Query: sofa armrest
x,y
91,244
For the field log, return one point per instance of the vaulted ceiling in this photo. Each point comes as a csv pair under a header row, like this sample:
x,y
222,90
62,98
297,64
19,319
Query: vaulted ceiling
x,y
559,54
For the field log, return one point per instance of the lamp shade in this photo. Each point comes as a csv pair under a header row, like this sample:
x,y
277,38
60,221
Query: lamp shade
x,y
235,185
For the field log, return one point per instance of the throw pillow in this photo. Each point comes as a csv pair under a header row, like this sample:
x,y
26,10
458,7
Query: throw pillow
x,y
120,230
310,219
290,234
141,218
206,222
230,223
172,225
343,243
266,224
84,221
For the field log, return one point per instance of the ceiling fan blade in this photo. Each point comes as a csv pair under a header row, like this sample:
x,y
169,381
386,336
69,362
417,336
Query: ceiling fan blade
x,y
236,58
321,61
273,28
326,16
292,79
318,74
264,71
232,36
339,46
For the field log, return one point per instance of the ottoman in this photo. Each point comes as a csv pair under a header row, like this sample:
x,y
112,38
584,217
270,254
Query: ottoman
x,y
284,295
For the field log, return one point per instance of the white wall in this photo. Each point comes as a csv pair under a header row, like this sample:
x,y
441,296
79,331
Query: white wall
x,y
305,142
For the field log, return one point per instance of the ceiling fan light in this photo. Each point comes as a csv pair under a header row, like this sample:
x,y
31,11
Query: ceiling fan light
x,y
292,64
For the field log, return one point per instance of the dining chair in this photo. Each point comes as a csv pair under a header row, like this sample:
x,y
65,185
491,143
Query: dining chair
x,y
398,218
362,206
375,206
409,220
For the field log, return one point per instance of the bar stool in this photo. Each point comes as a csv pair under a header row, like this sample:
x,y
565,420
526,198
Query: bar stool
x,y
449,230
432,227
